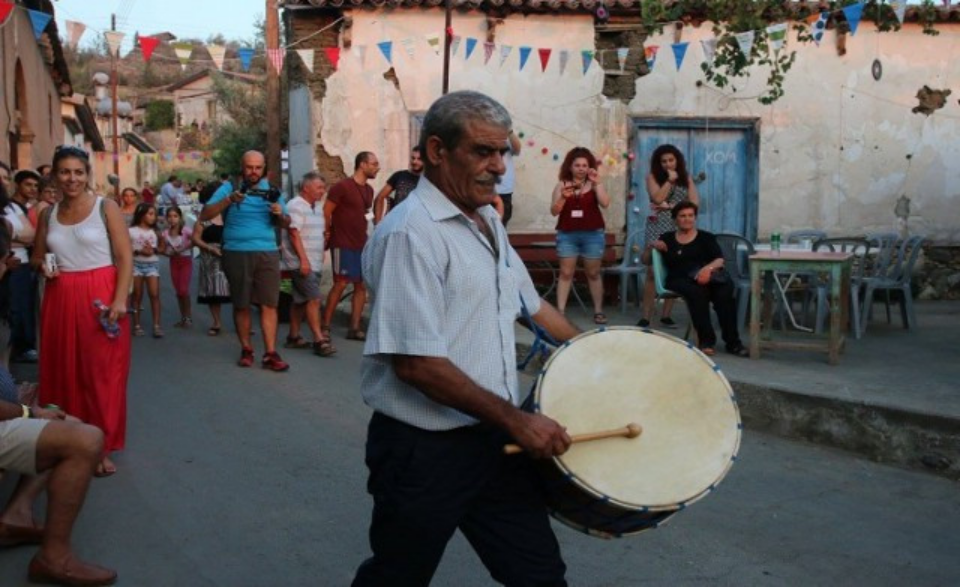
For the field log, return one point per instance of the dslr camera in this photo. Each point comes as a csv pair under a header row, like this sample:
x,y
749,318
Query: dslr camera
x,y
271,194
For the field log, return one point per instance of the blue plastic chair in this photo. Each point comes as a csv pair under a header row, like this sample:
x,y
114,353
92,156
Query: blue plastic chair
x,y
659,281
630,270
899,277
736,260
860,249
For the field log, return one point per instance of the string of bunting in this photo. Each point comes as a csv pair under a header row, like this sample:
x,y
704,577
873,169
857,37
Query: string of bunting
x,y
277,57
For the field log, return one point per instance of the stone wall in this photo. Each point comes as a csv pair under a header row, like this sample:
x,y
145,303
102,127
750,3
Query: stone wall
x,y
939,276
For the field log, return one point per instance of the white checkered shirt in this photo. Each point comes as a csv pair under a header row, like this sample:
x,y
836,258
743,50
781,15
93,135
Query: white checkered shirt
x,y
440,290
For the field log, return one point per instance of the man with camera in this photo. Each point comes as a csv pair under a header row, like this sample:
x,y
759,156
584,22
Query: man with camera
x,y
252,215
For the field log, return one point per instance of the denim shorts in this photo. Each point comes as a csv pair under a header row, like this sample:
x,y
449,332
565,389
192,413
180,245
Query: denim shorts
x,y
146,268
588,244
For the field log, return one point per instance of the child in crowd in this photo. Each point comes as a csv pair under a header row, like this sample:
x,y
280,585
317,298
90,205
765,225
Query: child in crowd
x,y
146,265
178,244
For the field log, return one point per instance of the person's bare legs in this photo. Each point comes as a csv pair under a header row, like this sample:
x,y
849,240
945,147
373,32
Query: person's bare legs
x,y
649,294
69,451
333,298
241,320
356,305
186,312
215,315
296,317
312,309
153,289
592,269
268,323
137,298
19,510
568,267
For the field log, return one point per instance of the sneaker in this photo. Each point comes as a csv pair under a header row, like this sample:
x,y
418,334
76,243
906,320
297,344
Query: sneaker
x,y
667,322
643,323
273,362
246,357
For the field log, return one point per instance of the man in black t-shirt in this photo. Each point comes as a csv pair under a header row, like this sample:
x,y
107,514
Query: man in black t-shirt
x,y
400,185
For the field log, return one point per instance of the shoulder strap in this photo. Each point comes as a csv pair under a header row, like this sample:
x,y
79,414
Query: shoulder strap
x,y
103,217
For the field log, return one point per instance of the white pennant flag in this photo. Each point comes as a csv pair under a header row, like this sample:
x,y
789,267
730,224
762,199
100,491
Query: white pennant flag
x,y
622,53
745,41
75,30
564,57
433,40
409,46
217,53
306,56
504,53
114,40
899,8
777,35
361,53
454,44
709,48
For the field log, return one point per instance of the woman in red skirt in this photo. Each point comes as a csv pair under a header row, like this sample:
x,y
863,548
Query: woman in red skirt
x,y
85,336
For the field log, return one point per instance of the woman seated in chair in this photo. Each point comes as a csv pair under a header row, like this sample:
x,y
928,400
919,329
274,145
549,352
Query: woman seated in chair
x,y
695,270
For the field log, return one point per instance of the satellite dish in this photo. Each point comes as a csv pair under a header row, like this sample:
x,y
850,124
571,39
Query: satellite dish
x,y
877,69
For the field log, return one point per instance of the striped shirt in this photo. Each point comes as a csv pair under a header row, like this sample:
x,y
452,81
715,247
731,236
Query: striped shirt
x,y
308,221
441,290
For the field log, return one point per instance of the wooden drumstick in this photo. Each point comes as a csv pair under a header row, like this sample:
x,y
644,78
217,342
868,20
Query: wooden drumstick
x,y
631,430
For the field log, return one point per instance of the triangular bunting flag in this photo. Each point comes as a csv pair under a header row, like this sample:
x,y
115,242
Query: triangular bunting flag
x,y
217,53
745,41
777,34
361,52
333,54
306,57
276,57
75,30
114,40
544,58
409,45
587,56
433,40
899,8
6,7
524,55
488,51
183,51
471,45
386,47
679,52
709,48
564,58
246,57
504,53
853,13
455,44
819,26
622,53
39,20
650,54
149,44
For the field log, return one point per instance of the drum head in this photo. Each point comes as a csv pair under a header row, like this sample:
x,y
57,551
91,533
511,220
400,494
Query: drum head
x,y
609,378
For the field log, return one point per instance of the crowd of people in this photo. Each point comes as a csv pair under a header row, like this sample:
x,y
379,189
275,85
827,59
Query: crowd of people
x,y
436,368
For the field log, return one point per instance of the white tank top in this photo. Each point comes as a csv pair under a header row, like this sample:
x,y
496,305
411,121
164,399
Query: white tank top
x,y
82,246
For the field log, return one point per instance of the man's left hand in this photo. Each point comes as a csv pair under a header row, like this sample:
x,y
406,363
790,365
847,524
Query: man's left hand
x,y
276,209
48,414
703,277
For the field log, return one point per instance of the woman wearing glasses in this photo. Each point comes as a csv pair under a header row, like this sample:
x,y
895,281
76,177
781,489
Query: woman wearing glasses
x,y
85,336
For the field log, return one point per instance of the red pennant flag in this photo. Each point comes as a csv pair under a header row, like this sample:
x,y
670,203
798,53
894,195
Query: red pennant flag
x,y
5,8
147,46
544,58
333,54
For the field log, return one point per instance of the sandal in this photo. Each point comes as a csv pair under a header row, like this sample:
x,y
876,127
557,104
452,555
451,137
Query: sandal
x,y
599,318
708,350
213,331
324,348
157,332
139,331
296,342
105,468
356,334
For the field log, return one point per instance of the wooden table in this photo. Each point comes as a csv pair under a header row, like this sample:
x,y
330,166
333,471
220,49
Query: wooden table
x,y
838,265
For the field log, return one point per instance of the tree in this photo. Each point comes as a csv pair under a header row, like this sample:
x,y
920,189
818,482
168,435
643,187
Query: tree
x,y
160,115
246,109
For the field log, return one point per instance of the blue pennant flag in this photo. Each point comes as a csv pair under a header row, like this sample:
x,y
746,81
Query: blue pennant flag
x,y
679,51
40,20
853,13
386,47
587,60
246,56
524,54
471,45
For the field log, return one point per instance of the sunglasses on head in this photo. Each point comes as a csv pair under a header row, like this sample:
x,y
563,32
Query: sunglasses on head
x,y
71,151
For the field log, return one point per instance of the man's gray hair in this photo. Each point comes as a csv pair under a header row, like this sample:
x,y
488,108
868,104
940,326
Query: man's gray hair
x,y
448,117
310,176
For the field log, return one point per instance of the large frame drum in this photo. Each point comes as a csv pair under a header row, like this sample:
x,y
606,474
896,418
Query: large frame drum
x,y
605,379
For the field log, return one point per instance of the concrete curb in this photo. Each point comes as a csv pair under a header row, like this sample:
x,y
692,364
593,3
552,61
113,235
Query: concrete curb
x,y
883,434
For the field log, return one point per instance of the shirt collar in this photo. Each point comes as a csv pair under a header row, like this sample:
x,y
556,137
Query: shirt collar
x,y
440,207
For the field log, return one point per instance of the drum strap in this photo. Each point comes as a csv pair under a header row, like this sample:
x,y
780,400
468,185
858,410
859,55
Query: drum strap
x,y
542,340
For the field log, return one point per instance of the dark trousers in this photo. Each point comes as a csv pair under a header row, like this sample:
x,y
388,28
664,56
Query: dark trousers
x,y
23,317
507,208
425,485
698,298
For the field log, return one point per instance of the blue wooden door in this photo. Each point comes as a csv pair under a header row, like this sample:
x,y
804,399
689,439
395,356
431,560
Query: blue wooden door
x,y
722,158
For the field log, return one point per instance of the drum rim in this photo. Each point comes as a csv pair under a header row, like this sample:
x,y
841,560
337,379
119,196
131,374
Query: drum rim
x,y
580,482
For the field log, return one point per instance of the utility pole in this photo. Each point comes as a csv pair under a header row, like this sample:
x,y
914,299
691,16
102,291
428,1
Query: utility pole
x,y
273,97
447,39
113,100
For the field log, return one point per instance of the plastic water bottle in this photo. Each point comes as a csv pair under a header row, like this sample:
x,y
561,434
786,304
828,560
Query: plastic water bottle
x,y
775,243
112,330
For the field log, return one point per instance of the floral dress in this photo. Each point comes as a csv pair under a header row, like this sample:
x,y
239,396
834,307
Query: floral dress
x,y
660,221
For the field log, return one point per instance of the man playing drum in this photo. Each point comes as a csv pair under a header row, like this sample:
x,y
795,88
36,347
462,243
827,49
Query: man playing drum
x,y
439,368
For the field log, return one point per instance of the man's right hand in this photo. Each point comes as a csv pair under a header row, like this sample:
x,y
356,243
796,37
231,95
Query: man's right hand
x,y
236,197
540,436
305,268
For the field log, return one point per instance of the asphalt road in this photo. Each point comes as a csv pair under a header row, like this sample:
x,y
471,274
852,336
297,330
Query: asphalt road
x,y
241,477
